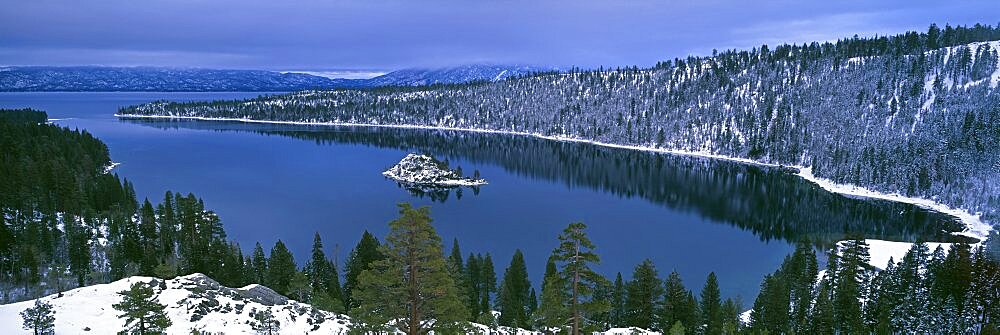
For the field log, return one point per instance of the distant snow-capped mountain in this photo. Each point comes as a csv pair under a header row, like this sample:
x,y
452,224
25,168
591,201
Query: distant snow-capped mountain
x,y
159,79
451,75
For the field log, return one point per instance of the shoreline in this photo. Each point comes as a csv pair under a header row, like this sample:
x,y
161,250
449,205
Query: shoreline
x,y
974,226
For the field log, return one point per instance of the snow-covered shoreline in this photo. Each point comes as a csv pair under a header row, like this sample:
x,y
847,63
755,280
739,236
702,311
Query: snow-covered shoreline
x,y
974,226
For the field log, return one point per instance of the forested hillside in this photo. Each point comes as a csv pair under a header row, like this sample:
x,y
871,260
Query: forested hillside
x,y
915,113
67,222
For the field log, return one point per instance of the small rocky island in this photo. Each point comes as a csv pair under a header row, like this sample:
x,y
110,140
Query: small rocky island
x,y
426,172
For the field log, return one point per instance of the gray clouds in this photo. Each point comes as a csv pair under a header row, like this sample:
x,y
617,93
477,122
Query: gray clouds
x,y
393,34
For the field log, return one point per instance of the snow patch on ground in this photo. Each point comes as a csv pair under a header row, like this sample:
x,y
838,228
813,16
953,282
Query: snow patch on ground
x,y
193,302
881,251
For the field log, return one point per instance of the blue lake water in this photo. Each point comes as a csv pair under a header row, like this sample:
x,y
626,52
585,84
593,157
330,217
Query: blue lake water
x,y
693,215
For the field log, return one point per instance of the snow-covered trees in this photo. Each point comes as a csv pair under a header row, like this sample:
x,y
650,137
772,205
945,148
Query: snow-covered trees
x,y
907,113
917,294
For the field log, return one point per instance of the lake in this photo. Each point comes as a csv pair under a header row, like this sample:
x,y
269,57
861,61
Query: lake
x,y
689,214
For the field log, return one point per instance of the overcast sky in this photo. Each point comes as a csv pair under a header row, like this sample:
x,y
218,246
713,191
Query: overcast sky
x,y
386,34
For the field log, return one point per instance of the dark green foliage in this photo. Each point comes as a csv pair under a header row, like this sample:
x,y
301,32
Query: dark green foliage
x,y
280,268
362,256
786,296
26,115
258,266
39,319
678,306
616,301
575,254
711,306
514,296
142,314
552,311
410,289
324,279
852,273
644,293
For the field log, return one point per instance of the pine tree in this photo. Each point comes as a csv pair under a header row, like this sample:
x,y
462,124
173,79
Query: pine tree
x,y
908,315
473,286
280,268
39,319
323,277
770,312
410,289
258,271
319,275
148,239
711,306
851,275
576,254
514,294
677,307
731,310
142,314
644,293
299,287
616,312
488,280
360,259
985,285
822,318
552,312
264,323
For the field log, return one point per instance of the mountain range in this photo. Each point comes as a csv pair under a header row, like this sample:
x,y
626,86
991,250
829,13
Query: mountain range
x,y
162,79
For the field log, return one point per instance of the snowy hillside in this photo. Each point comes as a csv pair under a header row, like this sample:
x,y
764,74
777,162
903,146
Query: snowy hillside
x,y
450,75
890,115
193,302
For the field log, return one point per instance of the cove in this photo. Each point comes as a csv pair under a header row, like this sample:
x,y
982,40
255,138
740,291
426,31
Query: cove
x,y
689,214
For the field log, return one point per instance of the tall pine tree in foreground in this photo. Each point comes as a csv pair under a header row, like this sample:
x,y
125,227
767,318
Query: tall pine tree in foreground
x,y
552,312
411,289
323,279
575,254
513,298
711,306
360,259
679,308
644,293
39,319
280,268
142,314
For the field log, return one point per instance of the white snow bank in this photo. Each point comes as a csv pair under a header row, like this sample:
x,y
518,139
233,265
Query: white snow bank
x,y
88,310
974,225
881,251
